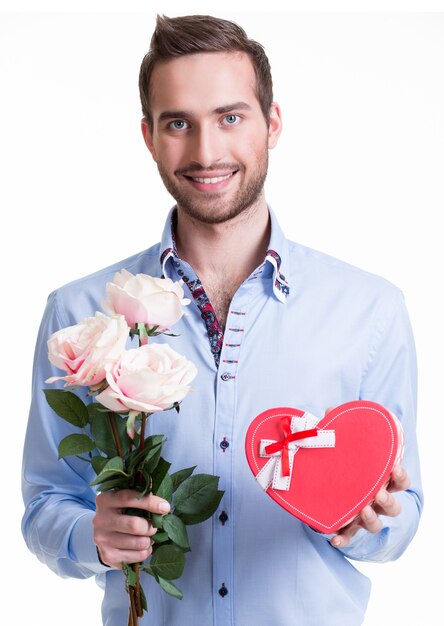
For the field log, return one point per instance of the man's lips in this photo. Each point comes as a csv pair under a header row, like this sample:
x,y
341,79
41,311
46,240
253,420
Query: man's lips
x,y
210,181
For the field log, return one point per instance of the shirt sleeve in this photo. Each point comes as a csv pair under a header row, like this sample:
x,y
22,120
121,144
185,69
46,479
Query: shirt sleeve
x,y
390,378
59,503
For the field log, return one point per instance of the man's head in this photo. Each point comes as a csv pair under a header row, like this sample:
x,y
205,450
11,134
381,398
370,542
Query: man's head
x,y
191,34
204,123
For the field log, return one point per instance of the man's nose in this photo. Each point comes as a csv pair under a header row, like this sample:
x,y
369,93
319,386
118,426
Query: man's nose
x,y
207,146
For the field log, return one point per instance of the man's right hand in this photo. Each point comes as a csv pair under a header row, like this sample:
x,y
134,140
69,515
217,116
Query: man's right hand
x,y
124,538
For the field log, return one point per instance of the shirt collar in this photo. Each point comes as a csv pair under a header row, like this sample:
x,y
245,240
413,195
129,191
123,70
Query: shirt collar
x,y
168,244
276,255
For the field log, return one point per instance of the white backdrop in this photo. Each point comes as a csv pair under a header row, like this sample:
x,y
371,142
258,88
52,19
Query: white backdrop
x,y
358,173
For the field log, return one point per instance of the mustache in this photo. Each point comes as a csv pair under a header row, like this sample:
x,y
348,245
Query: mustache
x,y
195,168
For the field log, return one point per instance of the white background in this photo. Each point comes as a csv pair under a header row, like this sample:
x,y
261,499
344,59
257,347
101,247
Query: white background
x,y
358,173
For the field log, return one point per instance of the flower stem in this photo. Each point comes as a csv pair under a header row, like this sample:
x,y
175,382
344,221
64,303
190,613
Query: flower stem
x,y
133,619
142,431
138,599
112,421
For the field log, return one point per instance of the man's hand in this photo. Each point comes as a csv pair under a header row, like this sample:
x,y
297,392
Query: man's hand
x,y
124,538
384,504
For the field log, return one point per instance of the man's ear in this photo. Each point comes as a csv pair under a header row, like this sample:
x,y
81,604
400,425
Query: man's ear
x,y
275,125
148,137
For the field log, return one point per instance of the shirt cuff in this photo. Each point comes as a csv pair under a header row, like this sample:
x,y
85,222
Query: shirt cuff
x,y
82,548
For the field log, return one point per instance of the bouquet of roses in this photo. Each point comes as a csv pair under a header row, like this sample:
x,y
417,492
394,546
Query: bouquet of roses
x,y
124,387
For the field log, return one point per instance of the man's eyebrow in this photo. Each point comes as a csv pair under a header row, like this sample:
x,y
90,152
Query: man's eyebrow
x,y
168,115
226,108
232,107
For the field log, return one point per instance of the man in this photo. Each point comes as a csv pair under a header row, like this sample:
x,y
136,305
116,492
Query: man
x,y
271,324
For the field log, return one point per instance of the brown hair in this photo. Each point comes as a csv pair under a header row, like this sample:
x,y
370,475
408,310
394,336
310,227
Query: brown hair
x,y
177,36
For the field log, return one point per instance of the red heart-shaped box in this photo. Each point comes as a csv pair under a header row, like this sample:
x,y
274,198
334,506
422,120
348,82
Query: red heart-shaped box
x,y
329,486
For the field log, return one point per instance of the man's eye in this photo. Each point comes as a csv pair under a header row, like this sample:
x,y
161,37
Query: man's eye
x,y
231,119
178,125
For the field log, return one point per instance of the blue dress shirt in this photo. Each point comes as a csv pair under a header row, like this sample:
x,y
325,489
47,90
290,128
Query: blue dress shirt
x,y
304,330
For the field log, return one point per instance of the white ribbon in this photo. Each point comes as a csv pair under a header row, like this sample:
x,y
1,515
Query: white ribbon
x,y
271,473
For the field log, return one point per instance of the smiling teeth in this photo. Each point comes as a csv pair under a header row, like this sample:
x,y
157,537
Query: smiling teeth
x,y
211,181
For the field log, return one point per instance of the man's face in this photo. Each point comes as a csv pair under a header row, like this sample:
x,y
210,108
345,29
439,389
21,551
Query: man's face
x,y
210,139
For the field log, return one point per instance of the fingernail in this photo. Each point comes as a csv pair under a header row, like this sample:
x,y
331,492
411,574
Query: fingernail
x,y
367,513
397,472
337,542
383,497
164,507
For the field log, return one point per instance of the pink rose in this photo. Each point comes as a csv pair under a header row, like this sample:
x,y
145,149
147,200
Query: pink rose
x,y
147,379
143,299
83,350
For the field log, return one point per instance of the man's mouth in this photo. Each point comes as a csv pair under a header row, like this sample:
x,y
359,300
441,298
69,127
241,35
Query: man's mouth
x,y
211,181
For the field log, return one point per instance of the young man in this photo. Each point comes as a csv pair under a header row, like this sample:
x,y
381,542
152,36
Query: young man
x,y
271,324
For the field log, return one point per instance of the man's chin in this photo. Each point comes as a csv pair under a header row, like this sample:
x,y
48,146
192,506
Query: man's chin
x,y
209,214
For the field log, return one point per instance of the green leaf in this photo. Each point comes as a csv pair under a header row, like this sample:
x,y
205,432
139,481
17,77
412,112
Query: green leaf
x,y
141,481
143,599
168,562
75,444
103,433
160,473
98,463
170,587
113,483
130,575
152,448
181,475
160,537
195,494
207,511
68,406
147,569
176,530
157,520
111,469
165,489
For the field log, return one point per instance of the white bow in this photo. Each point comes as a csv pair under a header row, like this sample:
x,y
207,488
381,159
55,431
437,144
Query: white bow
x,y
271,473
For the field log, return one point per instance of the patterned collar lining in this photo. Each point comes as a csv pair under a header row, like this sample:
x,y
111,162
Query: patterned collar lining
x,y
214,329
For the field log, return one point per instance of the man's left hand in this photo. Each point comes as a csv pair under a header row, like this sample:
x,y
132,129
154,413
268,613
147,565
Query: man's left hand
x,y
384,504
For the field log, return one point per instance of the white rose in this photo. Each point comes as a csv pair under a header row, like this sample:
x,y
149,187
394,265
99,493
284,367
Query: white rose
x,y
143,299
147,379
84,349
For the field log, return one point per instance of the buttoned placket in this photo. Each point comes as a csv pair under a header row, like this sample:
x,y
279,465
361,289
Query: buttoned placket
x,y
225,416
227,363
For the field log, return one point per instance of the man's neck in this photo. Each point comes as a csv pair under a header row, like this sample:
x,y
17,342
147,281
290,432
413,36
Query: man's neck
x,y
231,249
224,255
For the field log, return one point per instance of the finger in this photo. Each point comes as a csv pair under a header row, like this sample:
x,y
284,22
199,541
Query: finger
x,y
399,480
120,541
370,520
114,557
114,520
128,498
341,540
154,504
345,534
386,504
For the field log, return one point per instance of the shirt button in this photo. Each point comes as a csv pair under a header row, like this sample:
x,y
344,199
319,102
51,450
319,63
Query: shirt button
x,y
226,376
224,444
223,591
223,517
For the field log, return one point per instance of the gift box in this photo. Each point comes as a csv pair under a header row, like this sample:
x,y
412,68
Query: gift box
x,y
324,471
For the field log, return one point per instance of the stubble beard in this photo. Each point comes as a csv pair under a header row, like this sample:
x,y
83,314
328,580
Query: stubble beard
x,y
213,208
